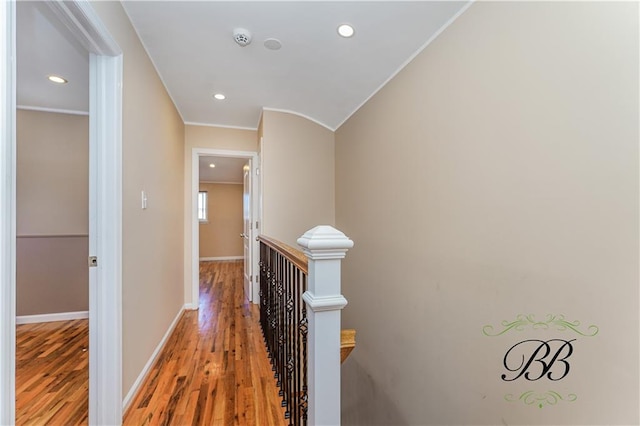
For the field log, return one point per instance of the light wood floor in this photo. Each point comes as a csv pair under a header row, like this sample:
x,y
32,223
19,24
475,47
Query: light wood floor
x,y
52,373
214,369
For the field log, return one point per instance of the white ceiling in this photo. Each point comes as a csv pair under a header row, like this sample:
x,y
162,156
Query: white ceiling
x,y
227,170
44,47
316,73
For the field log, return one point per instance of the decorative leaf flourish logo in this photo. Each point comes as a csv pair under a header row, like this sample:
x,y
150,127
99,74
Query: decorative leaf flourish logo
x,y
541,399
523,321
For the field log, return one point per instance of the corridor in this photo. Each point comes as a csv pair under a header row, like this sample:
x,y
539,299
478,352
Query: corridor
x,y
214,368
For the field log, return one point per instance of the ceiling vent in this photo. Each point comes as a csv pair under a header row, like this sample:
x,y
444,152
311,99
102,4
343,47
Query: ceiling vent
x,y
272,44
242,36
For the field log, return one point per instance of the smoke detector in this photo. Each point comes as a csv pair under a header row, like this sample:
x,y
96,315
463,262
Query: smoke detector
x,y
242,36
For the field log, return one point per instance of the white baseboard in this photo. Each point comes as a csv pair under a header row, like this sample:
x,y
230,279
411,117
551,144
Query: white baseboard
x,y
143,374
213,259
62,316
191,307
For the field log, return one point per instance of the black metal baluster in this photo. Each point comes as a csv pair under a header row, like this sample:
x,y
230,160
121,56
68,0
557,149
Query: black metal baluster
x,y
287,343
273,313
280,341
298,387
261,287
304,330
274,318
281,278
267,329
284,326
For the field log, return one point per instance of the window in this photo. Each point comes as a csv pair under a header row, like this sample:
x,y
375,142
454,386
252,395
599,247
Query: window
x,y
202,206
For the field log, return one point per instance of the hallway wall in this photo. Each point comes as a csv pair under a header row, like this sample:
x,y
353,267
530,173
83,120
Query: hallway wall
x,y
153,160
52,213
514,138
298,175
220,235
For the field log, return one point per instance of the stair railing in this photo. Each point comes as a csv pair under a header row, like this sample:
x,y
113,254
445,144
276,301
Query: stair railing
x,y
300,304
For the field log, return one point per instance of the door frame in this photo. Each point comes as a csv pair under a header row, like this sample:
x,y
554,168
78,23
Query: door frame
x,y
7,206
247,246
105,205
256,213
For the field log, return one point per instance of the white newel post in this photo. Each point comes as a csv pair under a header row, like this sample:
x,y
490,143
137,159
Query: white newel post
x,y
325,247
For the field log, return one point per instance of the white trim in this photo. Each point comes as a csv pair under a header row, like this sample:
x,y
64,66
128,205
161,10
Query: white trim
x,y
54,110
220,258
224,126
408,61
83,22
105,242
324,303
211,152
286,111
196,153
147,367
61,316
8,208
221,183
54,236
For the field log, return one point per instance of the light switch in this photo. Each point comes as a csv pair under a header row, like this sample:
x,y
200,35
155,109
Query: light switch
x,y
144,200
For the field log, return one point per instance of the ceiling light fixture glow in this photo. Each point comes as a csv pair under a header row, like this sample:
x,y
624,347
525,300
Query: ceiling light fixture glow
x,y
212,165
57,79
219,96
346,30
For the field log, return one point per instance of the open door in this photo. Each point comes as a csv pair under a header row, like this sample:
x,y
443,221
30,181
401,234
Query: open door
x,y
247,234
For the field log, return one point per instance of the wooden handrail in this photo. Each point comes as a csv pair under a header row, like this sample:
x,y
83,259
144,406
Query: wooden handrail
x,y
347,343
293,255
297,257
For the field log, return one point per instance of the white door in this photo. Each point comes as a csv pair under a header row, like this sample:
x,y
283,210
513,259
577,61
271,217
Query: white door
x,y
246,234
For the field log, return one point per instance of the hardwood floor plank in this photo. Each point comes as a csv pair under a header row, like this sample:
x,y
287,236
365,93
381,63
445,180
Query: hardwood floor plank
x,y
52,373
214,369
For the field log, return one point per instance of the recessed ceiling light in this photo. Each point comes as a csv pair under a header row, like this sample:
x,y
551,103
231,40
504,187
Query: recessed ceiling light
x,y
212,165
219,96
346,30
57,79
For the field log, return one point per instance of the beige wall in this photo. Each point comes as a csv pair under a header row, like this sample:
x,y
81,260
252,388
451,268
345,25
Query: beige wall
x,y
52,213
209,137
52,173
52,275
298,176
218,138
153,160
515,138
220,235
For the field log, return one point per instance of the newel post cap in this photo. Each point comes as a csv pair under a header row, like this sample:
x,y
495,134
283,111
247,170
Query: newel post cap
x,y
325,242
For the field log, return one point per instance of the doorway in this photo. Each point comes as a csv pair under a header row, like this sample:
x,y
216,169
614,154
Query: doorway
x,y
221,212
105,142
251,215
52,219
